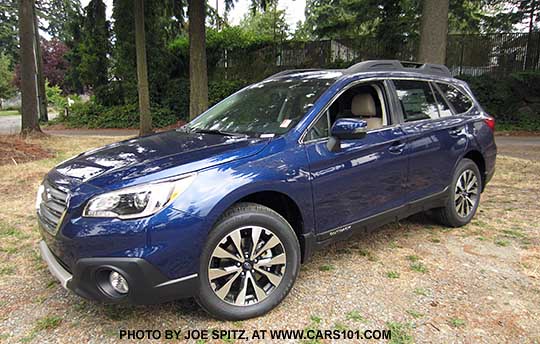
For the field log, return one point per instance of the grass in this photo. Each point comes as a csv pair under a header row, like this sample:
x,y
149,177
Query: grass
x,y
355,316
314,325
413,258
315,319
414,314
48,323
392,274
418,267
7,270
502,243
326,267
400,333
10,113
340,327
18,237
421,291
456,322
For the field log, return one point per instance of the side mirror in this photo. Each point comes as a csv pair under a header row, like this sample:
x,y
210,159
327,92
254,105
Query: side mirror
x,y
346,129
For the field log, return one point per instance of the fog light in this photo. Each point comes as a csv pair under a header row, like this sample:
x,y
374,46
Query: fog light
x,y
118,282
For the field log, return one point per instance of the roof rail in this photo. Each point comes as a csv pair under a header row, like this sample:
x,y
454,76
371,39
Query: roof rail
x,y
395,65
291,71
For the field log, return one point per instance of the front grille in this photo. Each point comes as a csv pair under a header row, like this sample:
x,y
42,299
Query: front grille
x,y
53,205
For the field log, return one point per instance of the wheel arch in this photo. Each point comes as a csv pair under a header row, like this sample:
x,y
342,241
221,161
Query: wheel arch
x,y
479,160
278,200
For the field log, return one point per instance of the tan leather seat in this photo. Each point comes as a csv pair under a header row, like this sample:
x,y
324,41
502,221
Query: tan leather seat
x,y
363,105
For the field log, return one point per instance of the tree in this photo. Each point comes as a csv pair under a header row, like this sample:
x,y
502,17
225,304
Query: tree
x,y
198,77
95,46
142,71
7,89
58,16
42,96
434,31
270,25
55,65
9,26
73,82
30,124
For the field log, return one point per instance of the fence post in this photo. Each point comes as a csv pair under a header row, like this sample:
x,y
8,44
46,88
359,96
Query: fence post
x,y
462,52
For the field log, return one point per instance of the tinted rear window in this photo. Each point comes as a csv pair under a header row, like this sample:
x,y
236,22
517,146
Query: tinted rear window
x,y
460,101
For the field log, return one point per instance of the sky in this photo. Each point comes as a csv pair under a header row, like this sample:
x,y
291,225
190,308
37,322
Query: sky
x,y
294,9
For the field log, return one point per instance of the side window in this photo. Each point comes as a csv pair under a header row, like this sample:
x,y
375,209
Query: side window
x,y
320,129
417,100
444,109
461,102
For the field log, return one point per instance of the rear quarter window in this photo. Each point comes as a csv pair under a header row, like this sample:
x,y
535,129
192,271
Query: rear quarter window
x,y
459,100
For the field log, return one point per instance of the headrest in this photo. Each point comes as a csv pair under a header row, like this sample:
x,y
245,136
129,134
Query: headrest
x,y
363,105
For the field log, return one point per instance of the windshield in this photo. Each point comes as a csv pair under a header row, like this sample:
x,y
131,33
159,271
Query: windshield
x,y
268,107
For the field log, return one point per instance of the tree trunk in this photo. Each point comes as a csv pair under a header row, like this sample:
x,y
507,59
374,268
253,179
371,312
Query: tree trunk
x,y
434,31
198,78
41,94
29,118
142,71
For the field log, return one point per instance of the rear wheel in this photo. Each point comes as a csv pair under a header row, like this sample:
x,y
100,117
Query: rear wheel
x,y
249,263
463,196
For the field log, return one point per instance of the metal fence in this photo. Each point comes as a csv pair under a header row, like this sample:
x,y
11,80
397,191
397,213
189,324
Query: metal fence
x,y
498,54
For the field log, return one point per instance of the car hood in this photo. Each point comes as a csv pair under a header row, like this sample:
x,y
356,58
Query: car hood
x,y
153,157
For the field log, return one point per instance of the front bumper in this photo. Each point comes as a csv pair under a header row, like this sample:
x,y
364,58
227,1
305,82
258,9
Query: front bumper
x,y
147,285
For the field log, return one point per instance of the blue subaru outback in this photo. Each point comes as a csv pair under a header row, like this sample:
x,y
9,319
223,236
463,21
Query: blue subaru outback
x,y
225,208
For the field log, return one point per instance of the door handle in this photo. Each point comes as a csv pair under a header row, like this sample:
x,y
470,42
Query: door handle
x,y
455,131
397,148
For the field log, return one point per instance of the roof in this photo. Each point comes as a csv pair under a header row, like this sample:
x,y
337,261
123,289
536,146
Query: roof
x,y
395,65
374,66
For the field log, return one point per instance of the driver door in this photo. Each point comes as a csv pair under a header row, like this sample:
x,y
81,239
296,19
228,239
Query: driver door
x,y
365,177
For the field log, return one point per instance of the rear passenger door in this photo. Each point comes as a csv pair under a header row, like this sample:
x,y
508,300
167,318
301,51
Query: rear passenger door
x,y
435,138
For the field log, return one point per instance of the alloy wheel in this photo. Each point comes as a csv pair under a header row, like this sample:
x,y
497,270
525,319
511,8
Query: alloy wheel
x,y
466,193
247,265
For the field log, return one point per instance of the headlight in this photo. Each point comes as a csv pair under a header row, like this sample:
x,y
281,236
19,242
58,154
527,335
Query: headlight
x,y
137,201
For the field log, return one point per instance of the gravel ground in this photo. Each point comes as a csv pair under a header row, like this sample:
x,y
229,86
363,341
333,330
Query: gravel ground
x,y
429,284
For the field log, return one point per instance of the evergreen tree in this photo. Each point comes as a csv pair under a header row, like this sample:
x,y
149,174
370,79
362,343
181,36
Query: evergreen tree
x,y
95,46
9,22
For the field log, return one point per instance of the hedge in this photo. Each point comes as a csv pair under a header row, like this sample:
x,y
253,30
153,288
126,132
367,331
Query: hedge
x,y
513,100
174,106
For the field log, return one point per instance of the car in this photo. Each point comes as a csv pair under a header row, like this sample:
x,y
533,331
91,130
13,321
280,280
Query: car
x,y
227,207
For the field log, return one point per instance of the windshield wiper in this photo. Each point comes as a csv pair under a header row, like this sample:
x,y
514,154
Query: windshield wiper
x,y
216,132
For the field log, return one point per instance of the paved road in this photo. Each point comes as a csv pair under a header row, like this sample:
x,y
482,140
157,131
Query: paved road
x,y
525,147
10,125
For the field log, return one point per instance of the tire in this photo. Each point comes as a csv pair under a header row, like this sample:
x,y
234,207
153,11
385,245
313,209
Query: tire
x,y
458,210
266,275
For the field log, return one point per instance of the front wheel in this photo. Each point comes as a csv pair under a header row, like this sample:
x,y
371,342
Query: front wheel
x,y
463,196
249,263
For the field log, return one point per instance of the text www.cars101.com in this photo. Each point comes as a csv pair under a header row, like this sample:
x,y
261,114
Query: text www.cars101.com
x,y
310,334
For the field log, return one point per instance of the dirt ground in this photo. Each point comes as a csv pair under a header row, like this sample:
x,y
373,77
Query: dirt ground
x,y
14,151
428,284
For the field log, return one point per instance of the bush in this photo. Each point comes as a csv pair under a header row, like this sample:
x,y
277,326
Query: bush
x,y
55,97
93,115
513,100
